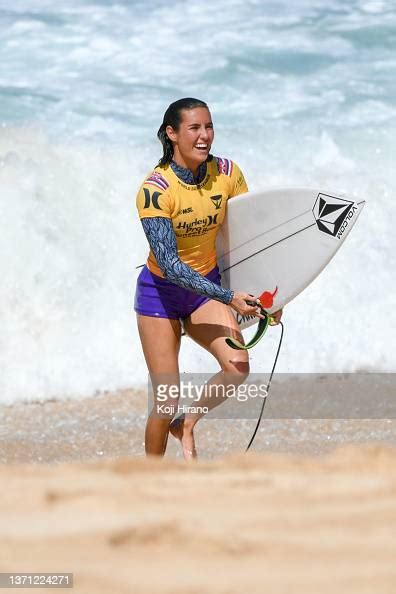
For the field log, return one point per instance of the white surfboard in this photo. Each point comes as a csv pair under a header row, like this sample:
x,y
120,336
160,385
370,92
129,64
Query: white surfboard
x,y
277,242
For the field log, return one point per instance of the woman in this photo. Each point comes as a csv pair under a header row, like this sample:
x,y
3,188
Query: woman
x,y
181,205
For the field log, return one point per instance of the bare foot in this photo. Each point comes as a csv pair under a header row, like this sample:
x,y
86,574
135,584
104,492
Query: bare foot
x,y
185,436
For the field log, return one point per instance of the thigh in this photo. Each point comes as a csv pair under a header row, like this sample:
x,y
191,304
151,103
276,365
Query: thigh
x,y
209,325
160,338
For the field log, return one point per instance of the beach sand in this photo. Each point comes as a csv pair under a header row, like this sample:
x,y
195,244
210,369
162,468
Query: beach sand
x,y
307,414
311,510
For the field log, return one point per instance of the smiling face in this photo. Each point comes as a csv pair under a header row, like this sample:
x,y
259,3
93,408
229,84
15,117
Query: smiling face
x,y
193,139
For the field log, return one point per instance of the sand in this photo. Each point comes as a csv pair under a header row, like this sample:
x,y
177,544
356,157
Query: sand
x,y
78,496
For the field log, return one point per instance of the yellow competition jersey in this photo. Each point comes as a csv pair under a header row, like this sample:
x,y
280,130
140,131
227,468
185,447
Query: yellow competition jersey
x,y
196,211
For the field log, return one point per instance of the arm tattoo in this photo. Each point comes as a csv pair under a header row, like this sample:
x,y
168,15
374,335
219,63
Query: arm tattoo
x,y
162,239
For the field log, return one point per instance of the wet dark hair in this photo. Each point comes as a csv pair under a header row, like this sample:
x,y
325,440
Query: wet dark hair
x,y
172,117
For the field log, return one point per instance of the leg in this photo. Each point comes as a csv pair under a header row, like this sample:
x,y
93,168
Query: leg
x,y
209,325
160,338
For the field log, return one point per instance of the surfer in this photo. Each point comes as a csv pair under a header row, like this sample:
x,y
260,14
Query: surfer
x,y
181,204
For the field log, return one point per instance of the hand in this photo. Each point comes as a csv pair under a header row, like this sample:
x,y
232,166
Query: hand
x,y
239,303
276,317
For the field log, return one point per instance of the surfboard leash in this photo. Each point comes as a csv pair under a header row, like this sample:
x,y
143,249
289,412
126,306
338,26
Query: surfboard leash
x,y
264,302
263,324
268,386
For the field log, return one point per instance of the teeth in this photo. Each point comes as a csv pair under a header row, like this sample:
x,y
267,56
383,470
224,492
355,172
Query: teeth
x,y
201,145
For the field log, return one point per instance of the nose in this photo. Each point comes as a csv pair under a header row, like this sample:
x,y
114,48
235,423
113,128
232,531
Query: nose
x,y
203,134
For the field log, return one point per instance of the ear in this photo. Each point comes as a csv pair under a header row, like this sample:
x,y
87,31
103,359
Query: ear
x,y
171,133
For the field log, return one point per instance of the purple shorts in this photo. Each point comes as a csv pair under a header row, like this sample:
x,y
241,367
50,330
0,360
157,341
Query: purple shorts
x,y
157,297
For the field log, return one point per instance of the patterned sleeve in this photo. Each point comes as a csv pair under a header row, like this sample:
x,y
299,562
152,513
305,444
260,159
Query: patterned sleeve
x,y
162,239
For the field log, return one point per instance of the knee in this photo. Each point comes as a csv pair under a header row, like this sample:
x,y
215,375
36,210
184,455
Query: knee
x,y
238,371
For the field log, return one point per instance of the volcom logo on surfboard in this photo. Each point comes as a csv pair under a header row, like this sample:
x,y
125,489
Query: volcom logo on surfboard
x,y
333,214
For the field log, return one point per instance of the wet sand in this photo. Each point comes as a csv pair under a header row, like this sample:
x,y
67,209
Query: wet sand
x,y
112,425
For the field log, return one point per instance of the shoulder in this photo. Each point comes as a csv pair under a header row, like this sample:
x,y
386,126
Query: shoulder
x,y
154,197
157,178
236,180
227,167
224,166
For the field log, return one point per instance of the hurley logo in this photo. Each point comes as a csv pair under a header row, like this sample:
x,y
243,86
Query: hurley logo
x,y
333,214
217,201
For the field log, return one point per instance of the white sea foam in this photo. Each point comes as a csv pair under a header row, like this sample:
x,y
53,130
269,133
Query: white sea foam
x,y
71,244
301,95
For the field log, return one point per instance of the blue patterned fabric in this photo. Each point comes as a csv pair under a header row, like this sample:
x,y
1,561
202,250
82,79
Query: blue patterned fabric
x,y
186,175
162,239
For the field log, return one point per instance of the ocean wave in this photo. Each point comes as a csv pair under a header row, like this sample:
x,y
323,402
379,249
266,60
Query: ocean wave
x,y
301,96
72,241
